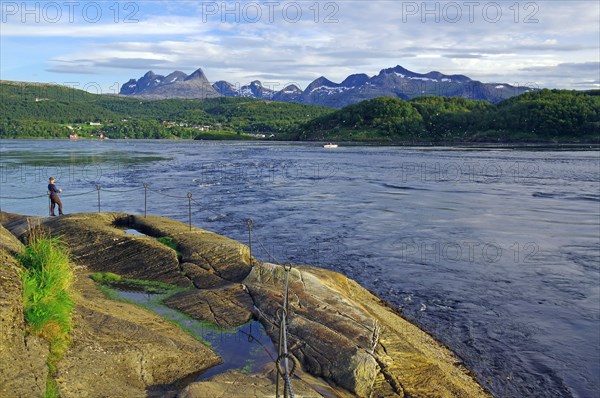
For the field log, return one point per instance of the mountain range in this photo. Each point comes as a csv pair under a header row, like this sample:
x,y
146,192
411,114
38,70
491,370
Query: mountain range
x,y
395,82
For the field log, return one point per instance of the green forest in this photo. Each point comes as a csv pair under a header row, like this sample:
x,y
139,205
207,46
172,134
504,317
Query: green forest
x,y
50,111
29,110
539,116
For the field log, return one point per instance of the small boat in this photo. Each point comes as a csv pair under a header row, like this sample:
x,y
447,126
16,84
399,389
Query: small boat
x,y
330,145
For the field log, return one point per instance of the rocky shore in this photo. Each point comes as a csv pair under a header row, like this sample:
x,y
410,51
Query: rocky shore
x,y
345,341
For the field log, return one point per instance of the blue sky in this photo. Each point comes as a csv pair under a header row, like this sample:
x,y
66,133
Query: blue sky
x,y
100,45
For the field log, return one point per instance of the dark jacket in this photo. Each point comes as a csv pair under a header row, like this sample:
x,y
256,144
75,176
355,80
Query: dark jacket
x,y
53,190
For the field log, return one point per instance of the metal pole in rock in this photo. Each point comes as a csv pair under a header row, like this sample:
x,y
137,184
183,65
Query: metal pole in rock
x,y
284,356
287,268
249,222
279,315
98,189
145,198
189,195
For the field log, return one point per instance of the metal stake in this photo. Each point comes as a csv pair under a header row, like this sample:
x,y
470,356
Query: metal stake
x,y
189,195
98,189
145,198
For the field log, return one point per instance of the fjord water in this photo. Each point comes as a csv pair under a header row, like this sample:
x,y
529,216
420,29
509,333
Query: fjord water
x,y
496,252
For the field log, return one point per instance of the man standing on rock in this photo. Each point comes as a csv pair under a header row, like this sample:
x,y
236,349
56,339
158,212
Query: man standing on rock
x,y
54,199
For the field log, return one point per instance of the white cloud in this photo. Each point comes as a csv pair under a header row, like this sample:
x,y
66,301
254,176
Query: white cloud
x,y
155,26
368,36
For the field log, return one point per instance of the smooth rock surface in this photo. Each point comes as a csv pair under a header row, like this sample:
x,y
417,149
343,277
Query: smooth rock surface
x,y
117,349
340,331
234,384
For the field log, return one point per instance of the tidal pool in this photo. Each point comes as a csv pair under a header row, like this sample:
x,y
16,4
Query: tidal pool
x,y
246,348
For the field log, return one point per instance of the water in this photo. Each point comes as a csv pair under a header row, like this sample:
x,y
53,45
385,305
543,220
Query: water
x,y
246,348
494,252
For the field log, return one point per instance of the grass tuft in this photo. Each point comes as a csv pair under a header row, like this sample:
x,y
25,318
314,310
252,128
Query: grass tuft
x,y
47,278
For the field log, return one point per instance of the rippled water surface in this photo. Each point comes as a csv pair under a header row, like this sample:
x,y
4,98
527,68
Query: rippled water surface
x,y
494,252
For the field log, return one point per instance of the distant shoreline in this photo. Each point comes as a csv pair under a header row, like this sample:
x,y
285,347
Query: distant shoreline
x,y
579,146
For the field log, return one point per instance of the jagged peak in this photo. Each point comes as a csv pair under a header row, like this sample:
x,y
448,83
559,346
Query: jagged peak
x,y
197,74
399,69
221,83
435,74
355,80
177,73
175,76
292,87
321,81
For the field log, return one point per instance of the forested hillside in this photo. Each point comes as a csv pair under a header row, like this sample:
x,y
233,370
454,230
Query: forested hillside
x,y
46,111
540,116
34,110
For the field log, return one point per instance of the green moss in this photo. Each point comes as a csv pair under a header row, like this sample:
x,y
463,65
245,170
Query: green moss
x,y
113,294
51,388
132,284
105,277
168,241
110,294
250,363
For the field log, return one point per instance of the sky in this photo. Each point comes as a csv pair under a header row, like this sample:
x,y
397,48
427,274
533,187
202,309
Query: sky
x,y
100,45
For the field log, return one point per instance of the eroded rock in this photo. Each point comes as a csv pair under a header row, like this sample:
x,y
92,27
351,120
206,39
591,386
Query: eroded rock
x,y
224,257
95,242
9,243
326,332
203,278
226,307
